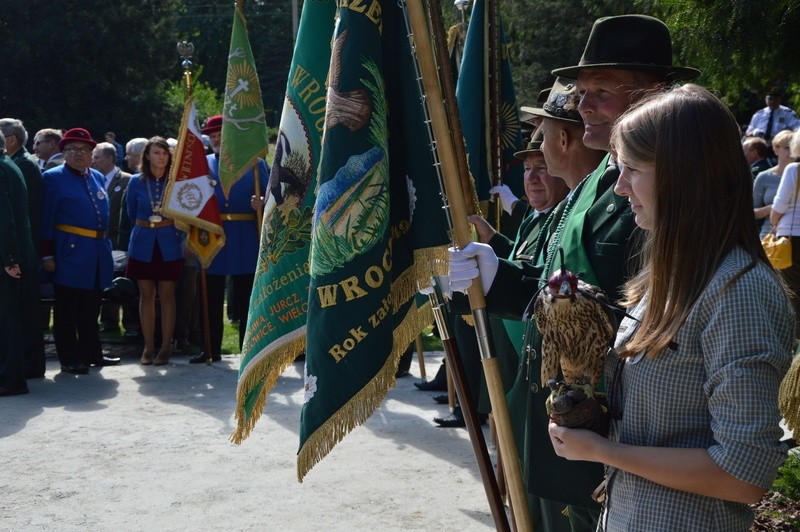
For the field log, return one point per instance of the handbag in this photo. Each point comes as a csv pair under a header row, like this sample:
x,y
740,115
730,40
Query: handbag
x,y
778,250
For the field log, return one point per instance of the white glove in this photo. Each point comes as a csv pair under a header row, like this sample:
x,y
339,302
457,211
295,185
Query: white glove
x,y
507,198
444,282
474,260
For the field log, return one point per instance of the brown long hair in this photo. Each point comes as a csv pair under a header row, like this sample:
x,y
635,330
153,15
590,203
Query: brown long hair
x,y
703,203
161,142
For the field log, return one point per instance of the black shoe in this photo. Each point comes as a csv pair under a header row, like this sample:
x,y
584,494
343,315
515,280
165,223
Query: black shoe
x,y
441,398
34,375
105,361
5,392
201,358
110,329
450,422
432,386
132,335
75,369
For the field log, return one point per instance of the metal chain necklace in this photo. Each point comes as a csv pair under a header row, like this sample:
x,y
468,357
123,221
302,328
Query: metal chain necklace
x,y
155,203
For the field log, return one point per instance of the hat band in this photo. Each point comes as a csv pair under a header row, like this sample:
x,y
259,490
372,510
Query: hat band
x,y
560,112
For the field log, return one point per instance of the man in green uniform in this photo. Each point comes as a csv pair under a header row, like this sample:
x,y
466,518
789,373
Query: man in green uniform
x,y
33,340
17,260
624,57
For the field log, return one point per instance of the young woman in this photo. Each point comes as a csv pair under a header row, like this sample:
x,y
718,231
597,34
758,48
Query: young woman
x,y
785,217
766,183
155,256
694,380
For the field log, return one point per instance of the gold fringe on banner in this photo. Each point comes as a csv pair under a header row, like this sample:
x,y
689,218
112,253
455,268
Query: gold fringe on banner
x,y
267,367
364,403
789,395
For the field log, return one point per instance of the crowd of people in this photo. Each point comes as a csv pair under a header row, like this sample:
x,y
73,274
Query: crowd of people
x,y
84,222
636,178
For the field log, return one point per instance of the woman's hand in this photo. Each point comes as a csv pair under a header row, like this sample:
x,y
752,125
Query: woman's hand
x,y
762,212
576,444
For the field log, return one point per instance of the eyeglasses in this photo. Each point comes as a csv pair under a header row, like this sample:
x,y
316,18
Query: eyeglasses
x,y
78,151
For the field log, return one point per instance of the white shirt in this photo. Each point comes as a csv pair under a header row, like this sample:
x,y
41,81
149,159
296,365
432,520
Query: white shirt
x,y
786,202
109,176
782,118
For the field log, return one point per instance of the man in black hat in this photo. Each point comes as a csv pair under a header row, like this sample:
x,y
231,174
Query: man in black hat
x,y
625,57
772,119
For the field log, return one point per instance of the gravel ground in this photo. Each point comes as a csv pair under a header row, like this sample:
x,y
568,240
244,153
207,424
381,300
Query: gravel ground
x,y
131,447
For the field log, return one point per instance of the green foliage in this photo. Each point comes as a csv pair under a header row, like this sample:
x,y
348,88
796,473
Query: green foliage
x,y
207,24
742,47
546,34
208,101
788,481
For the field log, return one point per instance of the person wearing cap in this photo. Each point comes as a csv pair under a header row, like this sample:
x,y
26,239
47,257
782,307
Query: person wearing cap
x,y
772,119
625,57
155,250
239,255
76,250
17,261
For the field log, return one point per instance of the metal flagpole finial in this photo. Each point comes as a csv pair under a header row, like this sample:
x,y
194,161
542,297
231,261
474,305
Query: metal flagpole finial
x,y
186,50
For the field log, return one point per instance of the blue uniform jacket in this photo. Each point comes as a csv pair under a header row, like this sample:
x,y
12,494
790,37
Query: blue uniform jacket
x,y
78,200
143,239
240,253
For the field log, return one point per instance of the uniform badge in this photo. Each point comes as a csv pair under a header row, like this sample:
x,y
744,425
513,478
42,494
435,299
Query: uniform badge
x,y
101,194
117,188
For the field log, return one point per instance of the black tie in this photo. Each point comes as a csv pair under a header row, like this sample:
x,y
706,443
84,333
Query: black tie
x,y
768,132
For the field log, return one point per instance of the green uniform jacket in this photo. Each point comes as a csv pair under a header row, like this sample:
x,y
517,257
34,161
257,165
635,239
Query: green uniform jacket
x,y
609,237
29,167
16,246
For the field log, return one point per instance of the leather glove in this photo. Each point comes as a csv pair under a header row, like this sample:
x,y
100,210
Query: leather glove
x,y
474,260
507,198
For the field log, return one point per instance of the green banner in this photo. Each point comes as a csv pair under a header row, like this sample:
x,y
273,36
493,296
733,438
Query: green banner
x,y
378,222
244,130
278,305
472,92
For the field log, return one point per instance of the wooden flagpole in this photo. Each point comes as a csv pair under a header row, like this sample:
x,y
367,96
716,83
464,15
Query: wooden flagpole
x,y
444,134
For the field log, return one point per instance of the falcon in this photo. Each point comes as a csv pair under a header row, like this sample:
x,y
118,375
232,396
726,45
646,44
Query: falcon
x,y
577,326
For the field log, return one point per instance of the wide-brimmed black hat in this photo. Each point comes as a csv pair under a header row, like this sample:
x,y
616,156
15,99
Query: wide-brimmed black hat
x,y
630,42
562,103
